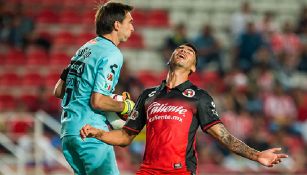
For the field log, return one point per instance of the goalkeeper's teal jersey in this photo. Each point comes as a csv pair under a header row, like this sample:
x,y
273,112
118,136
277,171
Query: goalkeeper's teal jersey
x,y
94,68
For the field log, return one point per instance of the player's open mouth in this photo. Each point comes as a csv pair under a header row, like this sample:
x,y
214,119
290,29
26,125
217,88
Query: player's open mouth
x,y
181,56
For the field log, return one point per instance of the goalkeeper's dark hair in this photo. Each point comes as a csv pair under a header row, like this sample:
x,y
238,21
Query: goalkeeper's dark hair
x,y
108,14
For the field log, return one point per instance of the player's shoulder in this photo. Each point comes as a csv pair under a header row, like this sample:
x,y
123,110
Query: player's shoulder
x,y
201,93
149,90
103,46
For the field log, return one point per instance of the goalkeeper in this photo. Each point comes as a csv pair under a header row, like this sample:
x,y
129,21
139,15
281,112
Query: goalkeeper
x,y
85,86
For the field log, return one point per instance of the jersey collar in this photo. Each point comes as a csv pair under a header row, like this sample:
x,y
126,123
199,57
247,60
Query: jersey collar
x,y
183,86
107,39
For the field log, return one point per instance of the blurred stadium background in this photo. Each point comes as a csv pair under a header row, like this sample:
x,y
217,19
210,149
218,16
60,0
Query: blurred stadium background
x,y
253,61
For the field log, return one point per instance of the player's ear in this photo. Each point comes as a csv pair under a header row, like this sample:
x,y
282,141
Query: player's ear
x,y
116,25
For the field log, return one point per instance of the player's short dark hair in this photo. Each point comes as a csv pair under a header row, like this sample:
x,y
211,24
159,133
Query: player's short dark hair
x,y
107,14
194,49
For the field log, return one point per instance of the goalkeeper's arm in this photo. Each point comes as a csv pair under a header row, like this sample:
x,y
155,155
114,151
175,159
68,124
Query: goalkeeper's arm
x,y
59,88
120,137
106,103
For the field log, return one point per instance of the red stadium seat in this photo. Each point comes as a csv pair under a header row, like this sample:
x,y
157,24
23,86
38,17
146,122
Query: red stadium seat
x,y
29,2
54,104
2,59
19,125
10,79
139,17
51,79
69,17
148,78
7,103
51,4
64,39
84,37
37,58
45,35
32,80
157,18
135,41
73,4
196,79
88,17
15,58
59,59
47,17
30,101
212,79
162,75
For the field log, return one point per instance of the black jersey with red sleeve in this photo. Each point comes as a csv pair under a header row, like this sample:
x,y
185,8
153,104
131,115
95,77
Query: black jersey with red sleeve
x,y
172,117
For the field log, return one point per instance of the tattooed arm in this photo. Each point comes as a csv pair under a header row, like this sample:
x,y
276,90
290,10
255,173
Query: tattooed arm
x,y
266,158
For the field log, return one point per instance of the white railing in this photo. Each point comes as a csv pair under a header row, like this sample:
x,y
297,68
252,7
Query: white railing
x,y
42,118
41,151
17,152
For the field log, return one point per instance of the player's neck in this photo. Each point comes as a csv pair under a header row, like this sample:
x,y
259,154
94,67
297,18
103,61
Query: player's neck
x,y
112,37
176,77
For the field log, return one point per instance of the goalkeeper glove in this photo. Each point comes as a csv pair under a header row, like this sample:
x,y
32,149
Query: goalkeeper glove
x,y
128,105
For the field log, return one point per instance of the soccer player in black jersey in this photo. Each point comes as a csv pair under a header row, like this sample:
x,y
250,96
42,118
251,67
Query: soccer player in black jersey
x,y
172,113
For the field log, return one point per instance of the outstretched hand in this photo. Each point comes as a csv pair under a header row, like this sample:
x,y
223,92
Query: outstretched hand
x,y
89,131
269,157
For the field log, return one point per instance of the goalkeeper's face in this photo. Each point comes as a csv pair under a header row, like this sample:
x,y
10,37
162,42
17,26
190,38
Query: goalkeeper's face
x,y
184,57
125,28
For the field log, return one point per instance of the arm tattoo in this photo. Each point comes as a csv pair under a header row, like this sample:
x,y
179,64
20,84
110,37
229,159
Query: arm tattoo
x,y
235,145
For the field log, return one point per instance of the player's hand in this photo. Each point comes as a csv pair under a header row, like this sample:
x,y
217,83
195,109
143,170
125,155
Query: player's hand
x,y
269,157
89,131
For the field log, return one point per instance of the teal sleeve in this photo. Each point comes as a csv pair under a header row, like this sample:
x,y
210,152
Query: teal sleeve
x,y
107,74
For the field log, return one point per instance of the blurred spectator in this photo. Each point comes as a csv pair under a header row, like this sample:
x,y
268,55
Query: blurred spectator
x,y
240,19
20,27
261,76
247,45
286,69
259,135
242,129
266,25
302,65
6,19
300,98
236,80
302,20
285,42
208,49
280,108
264,58
172,42
254,103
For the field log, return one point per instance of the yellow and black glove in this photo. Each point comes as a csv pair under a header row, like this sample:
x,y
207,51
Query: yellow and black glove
x,y
128,105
